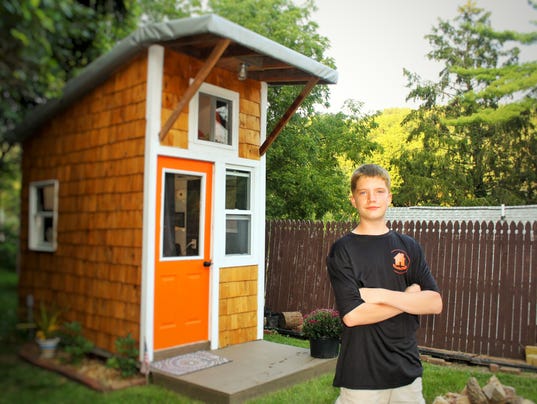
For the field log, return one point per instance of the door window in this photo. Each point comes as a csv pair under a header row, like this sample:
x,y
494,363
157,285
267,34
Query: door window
x,y
181,215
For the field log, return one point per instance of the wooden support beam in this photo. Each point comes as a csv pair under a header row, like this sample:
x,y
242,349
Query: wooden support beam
x,y
288,114
196,84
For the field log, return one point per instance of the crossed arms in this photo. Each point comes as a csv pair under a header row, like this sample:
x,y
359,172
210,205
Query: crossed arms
x,y
382,304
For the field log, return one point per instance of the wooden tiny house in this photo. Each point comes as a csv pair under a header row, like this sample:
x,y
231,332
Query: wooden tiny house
x,y
143,192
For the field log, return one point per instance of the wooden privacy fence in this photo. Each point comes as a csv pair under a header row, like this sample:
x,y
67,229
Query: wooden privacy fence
x,y
487,274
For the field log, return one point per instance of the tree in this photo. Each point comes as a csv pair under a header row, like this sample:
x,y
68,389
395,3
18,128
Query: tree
x,y
478,145
301,182
152,11
44,43
311,167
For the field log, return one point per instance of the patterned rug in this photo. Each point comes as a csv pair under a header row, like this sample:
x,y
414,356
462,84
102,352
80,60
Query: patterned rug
x,y
188,363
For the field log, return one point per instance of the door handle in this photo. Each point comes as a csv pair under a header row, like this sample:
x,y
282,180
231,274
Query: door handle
x,y
207,263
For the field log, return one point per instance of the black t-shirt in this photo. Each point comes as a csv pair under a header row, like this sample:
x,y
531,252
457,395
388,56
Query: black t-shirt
x,y
382,355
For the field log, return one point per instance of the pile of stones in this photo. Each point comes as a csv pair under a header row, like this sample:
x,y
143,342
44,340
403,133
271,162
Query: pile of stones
x,y
494,392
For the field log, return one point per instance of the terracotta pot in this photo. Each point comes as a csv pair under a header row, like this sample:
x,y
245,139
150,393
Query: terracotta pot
x,y
48,346
324,348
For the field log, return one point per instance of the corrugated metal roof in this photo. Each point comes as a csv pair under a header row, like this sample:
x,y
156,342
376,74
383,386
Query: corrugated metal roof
x,y
525,213
267,60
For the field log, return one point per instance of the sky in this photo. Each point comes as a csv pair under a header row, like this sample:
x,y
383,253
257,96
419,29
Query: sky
x,y
373,40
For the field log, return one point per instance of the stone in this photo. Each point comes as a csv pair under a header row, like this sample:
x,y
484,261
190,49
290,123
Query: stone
x,y
440,400
494,391
474,392
510,370
494,367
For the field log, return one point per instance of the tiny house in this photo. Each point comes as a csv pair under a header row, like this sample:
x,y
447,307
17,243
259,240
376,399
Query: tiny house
x,y
143,191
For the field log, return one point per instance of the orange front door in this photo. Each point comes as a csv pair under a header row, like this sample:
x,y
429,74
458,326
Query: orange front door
x,y
182,251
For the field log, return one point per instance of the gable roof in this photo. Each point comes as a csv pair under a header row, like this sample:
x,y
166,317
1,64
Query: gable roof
x,y
524,213
267,60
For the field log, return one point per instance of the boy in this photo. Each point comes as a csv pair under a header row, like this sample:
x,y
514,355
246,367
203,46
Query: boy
x,y
381,283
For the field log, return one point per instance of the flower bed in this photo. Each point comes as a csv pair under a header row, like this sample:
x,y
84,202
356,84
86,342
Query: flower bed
x,y
92,371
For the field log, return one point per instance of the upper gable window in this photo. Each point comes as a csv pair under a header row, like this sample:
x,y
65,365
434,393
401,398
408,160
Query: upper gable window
x,y
214,117
43,211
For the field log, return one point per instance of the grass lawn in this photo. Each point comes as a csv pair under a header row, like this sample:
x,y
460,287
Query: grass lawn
x,y
23,383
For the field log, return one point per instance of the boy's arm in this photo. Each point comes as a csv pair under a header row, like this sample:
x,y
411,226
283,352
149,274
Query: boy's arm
x,y
373,312
421,302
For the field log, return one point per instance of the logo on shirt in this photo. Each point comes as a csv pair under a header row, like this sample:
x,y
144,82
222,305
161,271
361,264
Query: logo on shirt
x,y
401,262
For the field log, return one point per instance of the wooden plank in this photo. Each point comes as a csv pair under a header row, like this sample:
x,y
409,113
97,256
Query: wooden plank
x,y
205,70
504,299
288,114
516,269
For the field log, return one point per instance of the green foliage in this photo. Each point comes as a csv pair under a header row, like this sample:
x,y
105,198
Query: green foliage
x,y
309,166
126,359
163,10
322,323
47,321
73,342
9,205
476,124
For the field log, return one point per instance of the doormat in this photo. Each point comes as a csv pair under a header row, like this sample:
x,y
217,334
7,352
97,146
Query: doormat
x,y
188,363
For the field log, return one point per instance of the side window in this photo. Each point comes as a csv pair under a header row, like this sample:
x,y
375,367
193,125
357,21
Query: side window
x,y
43,212
238,213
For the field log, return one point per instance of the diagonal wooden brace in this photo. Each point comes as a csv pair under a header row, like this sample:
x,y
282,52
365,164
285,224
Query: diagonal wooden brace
x,y
288,114
195,85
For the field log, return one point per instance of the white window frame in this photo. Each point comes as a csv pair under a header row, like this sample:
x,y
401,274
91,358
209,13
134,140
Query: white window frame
x,y
203,190
193,108
36,217
240,214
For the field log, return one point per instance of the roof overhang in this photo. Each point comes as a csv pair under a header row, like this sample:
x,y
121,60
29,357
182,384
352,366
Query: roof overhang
x,y
198,37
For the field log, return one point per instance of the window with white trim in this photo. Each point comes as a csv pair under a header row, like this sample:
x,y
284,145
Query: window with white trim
x,y
238,212
43,215
214,117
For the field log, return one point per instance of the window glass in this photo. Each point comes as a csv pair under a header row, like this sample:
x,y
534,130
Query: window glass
x,y
214,119
181,215
43,215
238,214
238,234
238,190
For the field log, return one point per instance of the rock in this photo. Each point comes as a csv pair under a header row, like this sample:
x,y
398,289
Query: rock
x,y
440,400
494,391
474,392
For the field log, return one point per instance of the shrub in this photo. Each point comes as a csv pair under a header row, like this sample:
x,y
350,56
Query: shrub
x,y
126,359
73,342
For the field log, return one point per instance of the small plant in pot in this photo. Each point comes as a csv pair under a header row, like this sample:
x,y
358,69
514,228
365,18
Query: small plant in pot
x,y
323,329
47,323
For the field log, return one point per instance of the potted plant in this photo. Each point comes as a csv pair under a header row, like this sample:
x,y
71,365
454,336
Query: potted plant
x,y
323,329
47,323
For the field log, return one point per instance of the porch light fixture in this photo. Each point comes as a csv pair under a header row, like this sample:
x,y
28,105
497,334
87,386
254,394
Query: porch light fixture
x,y
243,72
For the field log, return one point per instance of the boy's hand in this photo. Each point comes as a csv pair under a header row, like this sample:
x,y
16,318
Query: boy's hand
x,y
413,288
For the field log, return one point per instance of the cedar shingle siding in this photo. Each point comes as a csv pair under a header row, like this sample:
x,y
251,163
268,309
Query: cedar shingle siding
x,y
95,149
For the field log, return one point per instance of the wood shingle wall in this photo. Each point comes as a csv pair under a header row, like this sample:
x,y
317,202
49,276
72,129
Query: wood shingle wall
x,y
238,305
178,70
95,149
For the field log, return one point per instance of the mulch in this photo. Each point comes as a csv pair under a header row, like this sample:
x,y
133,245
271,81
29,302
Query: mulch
x,y
91,372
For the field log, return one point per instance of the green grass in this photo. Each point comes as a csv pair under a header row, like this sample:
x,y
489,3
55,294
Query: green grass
x,y
23,383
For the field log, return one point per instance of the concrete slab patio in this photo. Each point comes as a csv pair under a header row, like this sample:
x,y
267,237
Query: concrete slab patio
x,y
256,368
